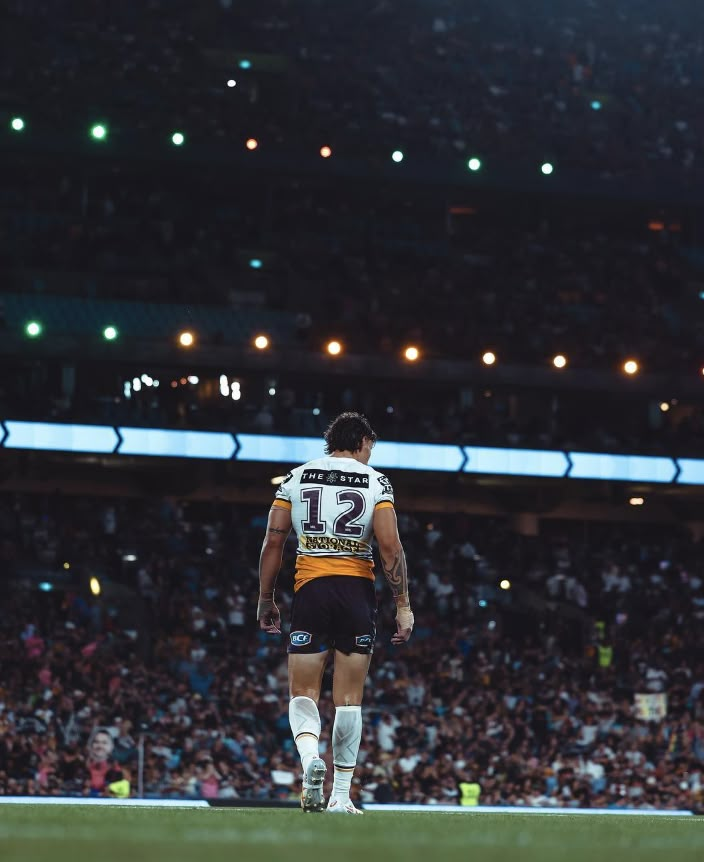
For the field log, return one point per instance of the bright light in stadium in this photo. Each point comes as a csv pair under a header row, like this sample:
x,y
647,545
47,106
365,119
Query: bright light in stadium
x,y
67,566
261,342
559,361
636,501
411,354
397,156
186,339
110,333
235,390
193,379
45,586
255,263
224,386
99,132
177,139
277,480
474,164
546,168
334,348
630,367
245,64
130,558
272,390
505,584
325,152
664,406
95,587
33,329
17,124
252,143
596,105
231,83
489,358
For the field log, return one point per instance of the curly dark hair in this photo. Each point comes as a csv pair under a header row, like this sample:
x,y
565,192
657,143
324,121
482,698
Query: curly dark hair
x,y
346,432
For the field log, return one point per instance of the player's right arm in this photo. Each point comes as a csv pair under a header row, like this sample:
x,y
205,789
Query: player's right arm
x,y
393,563
277,529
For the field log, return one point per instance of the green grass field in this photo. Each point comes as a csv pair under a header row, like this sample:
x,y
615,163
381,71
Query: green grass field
x,y
100,834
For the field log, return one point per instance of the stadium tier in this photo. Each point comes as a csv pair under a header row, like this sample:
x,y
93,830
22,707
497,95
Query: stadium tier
x,y
559,669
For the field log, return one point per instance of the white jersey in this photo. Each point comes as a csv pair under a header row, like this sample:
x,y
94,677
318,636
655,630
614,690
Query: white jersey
x,y
332,501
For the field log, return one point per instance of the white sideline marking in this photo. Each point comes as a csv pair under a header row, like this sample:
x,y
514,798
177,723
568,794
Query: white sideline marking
x,y
115,803
426,809
517,809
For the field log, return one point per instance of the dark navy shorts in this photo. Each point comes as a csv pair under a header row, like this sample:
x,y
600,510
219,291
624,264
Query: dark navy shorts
x,y
334,612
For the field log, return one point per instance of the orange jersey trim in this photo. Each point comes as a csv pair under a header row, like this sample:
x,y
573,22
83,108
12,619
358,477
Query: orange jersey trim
x,y
282,504
308,568
384,504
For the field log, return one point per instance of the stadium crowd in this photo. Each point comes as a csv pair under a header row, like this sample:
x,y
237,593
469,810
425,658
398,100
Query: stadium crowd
x,y
530,693
613,94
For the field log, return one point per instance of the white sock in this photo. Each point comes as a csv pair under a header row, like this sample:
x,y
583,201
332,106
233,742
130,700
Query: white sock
x,y
304,719
346,736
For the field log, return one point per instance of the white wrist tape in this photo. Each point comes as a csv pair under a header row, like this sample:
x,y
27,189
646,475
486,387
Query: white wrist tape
x,y
404,617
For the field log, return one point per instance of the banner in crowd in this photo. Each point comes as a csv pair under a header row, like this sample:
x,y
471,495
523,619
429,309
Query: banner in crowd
x,y
651,707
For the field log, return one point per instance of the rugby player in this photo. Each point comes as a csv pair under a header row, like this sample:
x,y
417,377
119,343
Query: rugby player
x,y
335,504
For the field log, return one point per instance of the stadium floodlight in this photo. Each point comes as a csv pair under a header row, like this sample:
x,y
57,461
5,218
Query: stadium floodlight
x,y
110,333
596,105
334,348
231,83
547,168
411,354
489,357
261,342
33,329
631,367
252,143
99,132
45,586
559,361
245,64
186,338
17,124
177,139
255,263
95,586
664,406
637,501
474,164
505,584
397,156
325,152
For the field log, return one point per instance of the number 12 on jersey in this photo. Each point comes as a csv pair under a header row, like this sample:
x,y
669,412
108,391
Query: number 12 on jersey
x,y
352,503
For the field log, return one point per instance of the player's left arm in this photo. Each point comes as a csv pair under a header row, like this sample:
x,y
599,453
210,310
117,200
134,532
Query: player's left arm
x,y
277,529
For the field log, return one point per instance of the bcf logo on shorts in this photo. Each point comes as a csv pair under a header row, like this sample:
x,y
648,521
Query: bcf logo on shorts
x,y
300,638
363,640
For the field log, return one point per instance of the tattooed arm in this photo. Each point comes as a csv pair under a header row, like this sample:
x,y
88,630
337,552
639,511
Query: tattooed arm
x,y
277,529
393,563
